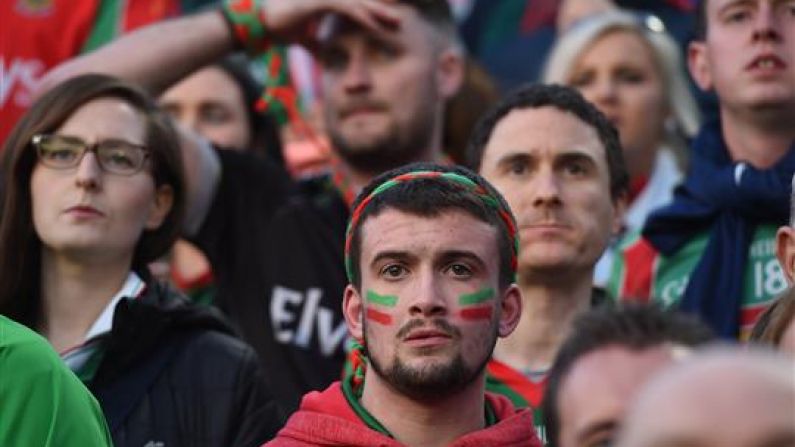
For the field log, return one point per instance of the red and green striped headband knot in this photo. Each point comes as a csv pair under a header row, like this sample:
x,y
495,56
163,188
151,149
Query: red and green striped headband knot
x,y
454,178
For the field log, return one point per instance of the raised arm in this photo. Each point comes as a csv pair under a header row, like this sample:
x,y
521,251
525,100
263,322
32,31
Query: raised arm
x,y
161,54
155,56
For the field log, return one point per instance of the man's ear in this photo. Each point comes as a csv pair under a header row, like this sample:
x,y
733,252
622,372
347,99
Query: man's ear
x,y
510,310
698,64
353,310
450,72
785,251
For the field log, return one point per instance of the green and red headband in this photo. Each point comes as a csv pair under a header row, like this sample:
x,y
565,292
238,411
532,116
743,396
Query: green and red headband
x,y
453,178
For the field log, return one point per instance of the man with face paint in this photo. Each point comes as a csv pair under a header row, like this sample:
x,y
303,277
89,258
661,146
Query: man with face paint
x,y
387,68
430,258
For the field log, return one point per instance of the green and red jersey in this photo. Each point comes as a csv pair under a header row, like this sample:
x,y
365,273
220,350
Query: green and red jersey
x,y
519,389
641,273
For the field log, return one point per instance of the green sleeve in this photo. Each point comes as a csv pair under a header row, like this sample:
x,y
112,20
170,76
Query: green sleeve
x,y
41,402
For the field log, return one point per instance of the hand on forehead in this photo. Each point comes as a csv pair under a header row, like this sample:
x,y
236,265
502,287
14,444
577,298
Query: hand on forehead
x,y
378,18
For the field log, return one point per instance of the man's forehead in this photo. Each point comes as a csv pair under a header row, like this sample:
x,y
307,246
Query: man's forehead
x,y
717,5
396,230
532,129
561,124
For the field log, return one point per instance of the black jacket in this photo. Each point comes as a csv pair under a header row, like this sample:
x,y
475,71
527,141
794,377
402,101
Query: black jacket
x,y
173,374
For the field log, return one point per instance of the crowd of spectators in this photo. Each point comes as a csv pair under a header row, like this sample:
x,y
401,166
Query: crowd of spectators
x,y
397,222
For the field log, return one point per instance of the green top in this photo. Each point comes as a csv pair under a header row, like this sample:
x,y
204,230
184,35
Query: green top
x,y
41,402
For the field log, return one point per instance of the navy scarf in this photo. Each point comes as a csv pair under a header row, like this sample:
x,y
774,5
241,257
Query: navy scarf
x,y
729,200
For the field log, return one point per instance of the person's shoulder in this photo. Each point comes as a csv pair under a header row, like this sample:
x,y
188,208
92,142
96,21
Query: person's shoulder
x,y
51,405
631,239
513,427
24,348
633,248
631,273
198,330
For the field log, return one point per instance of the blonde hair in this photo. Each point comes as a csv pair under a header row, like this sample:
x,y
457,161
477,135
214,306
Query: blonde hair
x,y
574,42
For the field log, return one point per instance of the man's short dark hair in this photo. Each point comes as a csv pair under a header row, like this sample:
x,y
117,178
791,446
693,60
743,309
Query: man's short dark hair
x,y
701,20
430,197
567,100
436,12
629,325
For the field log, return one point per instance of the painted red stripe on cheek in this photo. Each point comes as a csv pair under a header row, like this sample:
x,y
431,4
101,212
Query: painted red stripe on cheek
x,y
477,313
378,317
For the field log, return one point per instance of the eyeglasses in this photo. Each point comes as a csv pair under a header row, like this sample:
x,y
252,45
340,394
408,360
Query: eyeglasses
x,y
114,156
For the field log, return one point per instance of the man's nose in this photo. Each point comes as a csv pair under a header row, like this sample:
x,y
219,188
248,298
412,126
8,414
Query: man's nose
x,y
766,23
546,188
357,77
429,300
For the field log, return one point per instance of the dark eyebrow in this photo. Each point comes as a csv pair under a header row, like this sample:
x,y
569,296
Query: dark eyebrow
x,y
514,157
734,3
565,157
384,39
212,102
569,157
603,426
678,441
396,255
455,255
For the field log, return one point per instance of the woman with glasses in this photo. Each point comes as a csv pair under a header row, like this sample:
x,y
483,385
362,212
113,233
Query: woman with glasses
x,y
631,69
92,191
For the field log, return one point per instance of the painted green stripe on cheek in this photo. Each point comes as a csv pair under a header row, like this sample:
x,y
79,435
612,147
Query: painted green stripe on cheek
x,y
383,300
478,297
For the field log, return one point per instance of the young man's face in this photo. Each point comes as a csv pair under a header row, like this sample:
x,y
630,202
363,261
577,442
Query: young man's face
x,y
383,93
748,54
552,169
430,307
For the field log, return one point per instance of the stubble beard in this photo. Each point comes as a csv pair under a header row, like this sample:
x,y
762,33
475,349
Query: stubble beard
x,y
432,382
395,148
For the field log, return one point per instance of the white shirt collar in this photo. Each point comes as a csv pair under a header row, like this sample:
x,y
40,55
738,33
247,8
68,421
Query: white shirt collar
x,y
132,287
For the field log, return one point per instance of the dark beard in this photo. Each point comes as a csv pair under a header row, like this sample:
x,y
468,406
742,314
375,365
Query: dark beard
x,y
434,382
391,151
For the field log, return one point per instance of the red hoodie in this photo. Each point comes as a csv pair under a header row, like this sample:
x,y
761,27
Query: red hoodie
x,y
326,419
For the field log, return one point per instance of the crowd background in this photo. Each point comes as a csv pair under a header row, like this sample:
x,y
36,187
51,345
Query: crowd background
x,y
679,218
